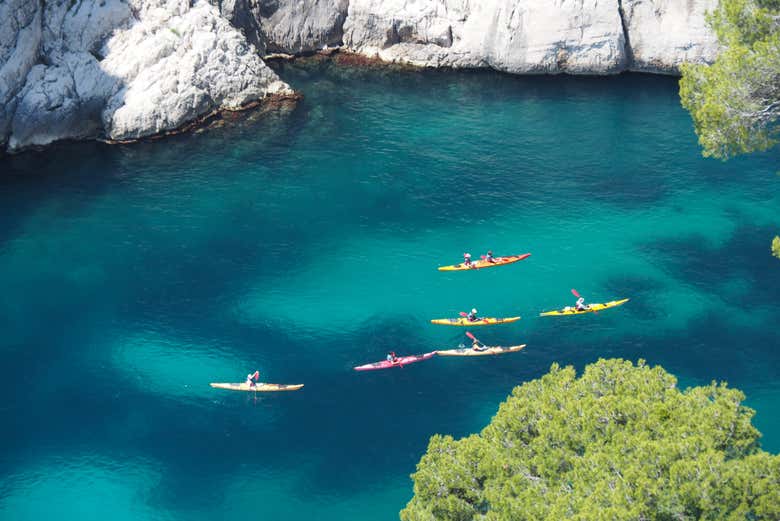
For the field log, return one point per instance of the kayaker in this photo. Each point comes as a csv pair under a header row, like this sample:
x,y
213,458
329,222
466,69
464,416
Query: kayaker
x,y
392,358
477,346
252,378
489,257
467,259
472,316
580,305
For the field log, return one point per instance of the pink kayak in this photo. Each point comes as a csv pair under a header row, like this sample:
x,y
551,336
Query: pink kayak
x,y
400,362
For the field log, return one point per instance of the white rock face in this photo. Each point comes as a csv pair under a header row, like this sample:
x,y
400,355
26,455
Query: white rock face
x,y
288,26
20,40
533,36
517,36
665,33
124,69
177,64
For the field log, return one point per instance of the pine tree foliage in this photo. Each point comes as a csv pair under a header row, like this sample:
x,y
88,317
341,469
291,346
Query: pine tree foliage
x,y
619,442
735,102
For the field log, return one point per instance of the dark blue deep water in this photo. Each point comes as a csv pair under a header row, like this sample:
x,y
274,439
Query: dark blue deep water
x,y
302,241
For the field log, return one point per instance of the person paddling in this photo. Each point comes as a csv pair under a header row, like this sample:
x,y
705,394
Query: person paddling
x,y
467,260
392,358
489,257
476,345
580,305
252,378
472,315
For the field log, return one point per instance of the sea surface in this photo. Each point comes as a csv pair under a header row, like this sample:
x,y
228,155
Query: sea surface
x,y
302,241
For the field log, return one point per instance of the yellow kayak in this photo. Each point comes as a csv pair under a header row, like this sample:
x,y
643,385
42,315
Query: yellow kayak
x,y
258,387
591,308
470,351
463,321
475,265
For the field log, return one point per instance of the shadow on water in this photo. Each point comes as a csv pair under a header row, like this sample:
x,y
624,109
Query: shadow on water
x,y
744,259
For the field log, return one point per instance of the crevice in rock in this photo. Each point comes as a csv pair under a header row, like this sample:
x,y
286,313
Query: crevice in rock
x,y
629,52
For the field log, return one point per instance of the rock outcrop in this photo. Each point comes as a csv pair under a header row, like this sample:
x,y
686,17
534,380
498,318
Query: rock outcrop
x,y
287,26
533,36
516,36
20,41
118,70
123,69
663,34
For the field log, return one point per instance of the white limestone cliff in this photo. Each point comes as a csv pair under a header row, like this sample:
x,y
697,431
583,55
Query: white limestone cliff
x,y
533,36
118,70
666,33
124,69
287,26
516,36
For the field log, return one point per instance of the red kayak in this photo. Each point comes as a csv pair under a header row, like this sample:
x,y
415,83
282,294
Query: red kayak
x,y
399,362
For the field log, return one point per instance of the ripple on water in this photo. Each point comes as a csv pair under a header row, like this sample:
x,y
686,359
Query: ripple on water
x,y
83,487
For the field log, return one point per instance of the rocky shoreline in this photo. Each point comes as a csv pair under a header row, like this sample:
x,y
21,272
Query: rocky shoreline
x,y
121,70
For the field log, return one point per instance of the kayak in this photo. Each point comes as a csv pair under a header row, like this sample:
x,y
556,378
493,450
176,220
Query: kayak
x,y
475,265
468,351
591,308
463,321
400,362
258,387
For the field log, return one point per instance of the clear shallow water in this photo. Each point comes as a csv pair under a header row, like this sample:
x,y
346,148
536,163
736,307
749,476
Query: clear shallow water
x,y
304,242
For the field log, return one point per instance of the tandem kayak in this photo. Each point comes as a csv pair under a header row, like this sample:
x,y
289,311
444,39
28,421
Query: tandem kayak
x,y
591,308
475,265
469,351
462,321
258,387
400,362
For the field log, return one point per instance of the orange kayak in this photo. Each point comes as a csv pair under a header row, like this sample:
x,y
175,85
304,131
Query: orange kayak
x,y
475,265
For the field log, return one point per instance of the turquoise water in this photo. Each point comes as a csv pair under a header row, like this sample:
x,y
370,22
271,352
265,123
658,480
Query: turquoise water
x,y
303,241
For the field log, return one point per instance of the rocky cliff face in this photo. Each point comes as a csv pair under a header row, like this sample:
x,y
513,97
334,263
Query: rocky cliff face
x,y
284,26
122,69
533,36
662,34
116,69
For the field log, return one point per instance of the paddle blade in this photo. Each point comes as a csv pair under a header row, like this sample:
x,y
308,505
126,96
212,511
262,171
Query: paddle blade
x,y
470,336
464,314
574,292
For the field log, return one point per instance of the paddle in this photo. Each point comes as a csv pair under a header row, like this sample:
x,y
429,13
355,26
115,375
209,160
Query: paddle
x,y
468,334
466,315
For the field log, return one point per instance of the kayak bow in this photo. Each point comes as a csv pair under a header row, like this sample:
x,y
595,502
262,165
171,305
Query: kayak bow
x,y
475,265
591,308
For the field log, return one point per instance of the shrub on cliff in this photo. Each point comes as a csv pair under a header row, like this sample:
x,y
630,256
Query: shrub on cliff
x,y
776,247
620,442
735,102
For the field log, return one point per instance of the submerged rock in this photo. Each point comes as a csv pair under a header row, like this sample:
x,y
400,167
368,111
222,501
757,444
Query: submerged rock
x,y
118,70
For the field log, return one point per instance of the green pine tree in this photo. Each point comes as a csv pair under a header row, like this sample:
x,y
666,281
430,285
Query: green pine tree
x,y
735,102
620,442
